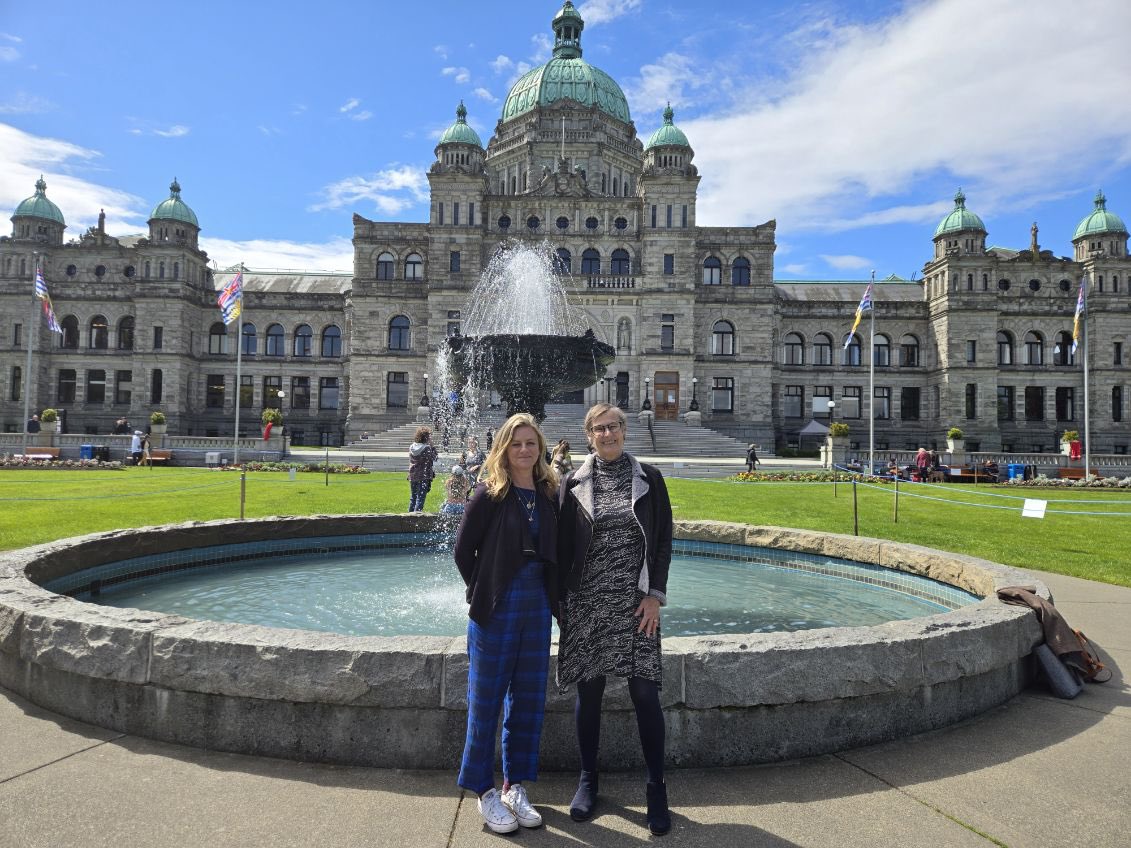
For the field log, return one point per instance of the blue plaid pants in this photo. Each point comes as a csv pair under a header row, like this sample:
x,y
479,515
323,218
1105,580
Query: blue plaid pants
x,y
509,661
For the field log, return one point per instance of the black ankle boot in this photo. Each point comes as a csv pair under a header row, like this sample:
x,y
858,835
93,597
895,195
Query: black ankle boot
x,y
659,819
584,801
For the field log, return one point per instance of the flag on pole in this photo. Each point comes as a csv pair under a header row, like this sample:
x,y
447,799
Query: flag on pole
x,y
48,307
1079,314
865,304
230,300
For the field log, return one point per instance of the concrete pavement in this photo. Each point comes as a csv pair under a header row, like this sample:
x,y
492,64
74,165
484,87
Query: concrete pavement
x,y
1035,772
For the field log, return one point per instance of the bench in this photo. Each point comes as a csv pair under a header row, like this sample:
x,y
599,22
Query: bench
x,y
41,453
1074,473
160,455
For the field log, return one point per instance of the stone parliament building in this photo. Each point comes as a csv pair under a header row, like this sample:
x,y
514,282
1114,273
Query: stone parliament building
x,y
982,341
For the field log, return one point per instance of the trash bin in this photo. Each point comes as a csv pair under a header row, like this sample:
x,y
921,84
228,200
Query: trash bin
x,y
212,458
102,453
1015,470
86,451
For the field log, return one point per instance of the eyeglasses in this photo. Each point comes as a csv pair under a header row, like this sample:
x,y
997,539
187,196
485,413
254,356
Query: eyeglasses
x,y
601,429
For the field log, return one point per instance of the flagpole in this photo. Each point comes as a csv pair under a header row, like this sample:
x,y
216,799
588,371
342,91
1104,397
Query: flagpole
x,y
872,379
33,327
239,383
1087,437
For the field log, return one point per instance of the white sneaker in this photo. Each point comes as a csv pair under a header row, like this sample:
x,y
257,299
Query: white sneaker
x,y
496,814
516,801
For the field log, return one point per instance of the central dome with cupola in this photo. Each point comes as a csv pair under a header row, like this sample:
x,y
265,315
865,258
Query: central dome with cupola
x,y
566,76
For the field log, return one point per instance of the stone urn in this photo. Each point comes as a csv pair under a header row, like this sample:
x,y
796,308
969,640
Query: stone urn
x,y
46,436
836,450
694,418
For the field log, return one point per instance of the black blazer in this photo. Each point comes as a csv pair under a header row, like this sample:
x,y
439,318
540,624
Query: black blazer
x,y
489,549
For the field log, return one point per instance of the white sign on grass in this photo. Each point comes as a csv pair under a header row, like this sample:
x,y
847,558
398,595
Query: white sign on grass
x,y
1033,508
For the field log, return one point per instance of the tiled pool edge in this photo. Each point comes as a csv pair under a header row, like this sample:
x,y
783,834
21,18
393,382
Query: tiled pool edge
x,y
399,701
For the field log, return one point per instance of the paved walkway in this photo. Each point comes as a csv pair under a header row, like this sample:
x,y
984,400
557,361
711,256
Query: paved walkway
x,y
1034,772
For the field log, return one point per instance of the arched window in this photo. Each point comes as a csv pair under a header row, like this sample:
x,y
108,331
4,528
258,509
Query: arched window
x,y
218,338
1004,348
619,266
249,341
176,270
1034,348
794,351
722,338
99,333
591,262
126,333
414,267
624,335
304,340
385,265
740,272
332,341
881,350
70,337
909,351
712,271
1062,350
852,352
161,270
399,332
823,349
276,342
564,262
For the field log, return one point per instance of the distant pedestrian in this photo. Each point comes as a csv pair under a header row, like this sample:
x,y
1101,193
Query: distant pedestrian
x,y
135,447
445,440
751,457
922,464
33,424
475,460
421,456
490,439
455,492
146,459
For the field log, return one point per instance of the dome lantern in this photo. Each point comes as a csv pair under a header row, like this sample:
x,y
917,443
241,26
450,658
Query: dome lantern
x,y
38,206
174,209
960,219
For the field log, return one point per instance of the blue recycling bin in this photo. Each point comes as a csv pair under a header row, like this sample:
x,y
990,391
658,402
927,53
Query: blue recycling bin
x,y
1016,470
86,451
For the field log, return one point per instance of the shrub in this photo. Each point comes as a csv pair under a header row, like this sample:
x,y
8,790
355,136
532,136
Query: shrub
x,y
157,417
1070,436
271,416
838,429
49,416
955,433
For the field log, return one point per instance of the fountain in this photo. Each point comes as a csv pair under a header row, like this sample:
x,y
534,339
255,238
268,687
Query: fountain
x,y
523,339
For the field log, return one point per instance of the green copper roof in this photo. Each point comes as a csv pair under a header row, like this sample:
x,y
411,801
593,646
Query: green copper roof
x,y
460,132
1100,221
960,219
566,76
174,208
669,134
38,206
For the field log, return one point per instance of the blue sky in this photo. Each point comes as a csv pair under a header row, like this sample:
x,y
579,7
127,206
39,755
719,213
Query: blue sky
x,y
850,122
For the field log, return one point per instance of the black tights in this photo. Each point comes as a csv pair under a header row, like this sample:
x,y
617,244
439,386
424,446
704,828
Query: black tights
x,y
649,720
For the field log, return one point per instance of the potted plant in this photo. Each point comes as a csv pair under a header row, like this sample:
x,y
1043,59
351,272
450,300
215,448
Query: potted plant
x,y
838,430
836,448
49,423
157,423
955,439
271,419
1066,440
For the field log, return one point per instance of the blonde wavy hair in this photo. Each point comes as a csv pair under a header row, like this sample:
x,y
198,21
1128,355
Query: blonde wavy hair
x,y
497,474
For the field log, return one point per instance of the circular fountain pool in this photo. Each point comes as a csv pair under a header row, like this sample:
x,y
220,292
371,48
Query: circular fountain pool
x,y
400,701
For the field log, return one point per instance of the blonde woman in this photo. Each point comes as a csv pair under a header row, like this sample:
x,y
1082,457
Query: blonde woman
x,y
506,551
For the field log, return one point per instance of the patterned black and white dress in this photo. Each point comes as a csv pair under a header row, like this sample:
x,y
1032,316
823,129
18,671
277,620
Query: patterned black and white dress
x,y
598,629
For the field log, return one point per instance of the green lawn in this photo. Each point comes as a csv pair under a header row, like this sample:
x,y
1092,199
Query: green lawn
x,y
37,506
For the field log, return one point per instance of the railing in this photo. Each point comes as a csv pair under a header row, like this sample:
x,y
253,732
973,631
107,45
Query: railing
x,y
652,432
610,282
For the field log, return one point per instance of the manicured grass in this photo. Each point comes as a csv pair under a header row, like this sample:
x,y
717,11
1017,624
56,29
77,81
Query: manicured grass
x,y
37,506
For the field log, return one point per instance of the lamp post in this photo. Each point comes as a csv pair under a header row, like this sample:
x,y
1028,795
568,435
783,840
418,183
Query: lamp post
x,y
647,394
694,406
424,398
608,389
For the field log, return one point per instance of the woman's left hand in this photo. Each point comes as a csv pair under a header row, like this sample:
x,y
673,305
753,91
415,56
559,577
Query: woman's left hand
x,y
649,614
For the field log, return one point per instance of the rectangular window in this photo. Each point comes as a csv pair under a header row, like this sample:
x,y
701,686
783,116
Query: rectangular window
x,y
881,402
440,213
909,403
300,393
65,388
17,383
328,393
684,218
17,334
1005,403
794,401
271,388
123,386
653,216
156,385
669,264
1034,403
96,386
471,214
667,331
396,390
822,397
455,214
214,391
247,392
971,351
850,402
909,355
722,394
453,262
1117,403
1117,353
1065,403
669,216
158,338
971,400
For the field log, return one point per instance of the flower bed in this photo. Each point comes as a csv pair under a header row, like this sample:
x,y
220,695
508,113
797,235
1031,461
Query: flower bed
x,y
300,467
1042,482
9,461
795,476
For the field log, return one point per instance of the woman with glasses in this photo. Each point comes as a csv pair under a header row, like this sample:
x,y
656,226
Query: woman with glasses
x,y
506,551
613,553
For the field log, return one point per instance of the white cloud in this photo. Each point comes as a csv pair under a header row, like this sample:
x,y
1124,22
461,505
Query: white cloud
x,y
9,37
662,81
9,54
846,262
271,254
601,11
363,115
396,188
441,50
501,63
268,131
543,47
175,131
796,268
22,103
460,75
876,110
298,109
352,103
484,94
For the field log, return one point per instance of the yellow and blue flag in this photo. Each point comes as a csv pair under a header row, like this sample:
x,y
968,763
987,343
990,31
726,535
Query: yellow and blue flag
x,y
48,307
865,304
230,300
1081,299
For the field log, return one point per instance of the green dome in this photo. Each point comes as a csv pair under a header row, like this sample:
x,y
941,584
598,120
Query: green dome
x,y
1099,222
460,132
38,206
174,209
960,219
669,135
566,76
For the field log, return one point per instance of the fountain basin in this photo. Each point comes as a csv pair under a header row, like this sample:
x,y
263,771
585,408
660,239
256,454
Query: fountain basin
x,y
401,701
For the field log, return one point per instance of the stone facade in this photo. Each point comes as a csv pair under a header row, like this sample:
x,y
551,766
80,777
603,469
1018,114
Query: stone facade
x,y
694,312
